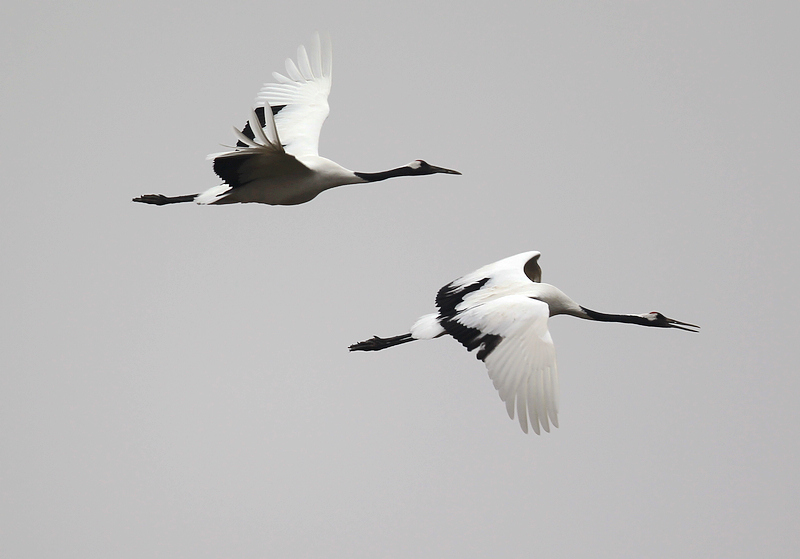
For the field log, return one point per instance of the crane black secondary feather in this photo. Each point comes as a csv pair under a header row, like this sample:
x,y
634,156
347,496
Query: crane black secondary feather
x,y
502,311
276,159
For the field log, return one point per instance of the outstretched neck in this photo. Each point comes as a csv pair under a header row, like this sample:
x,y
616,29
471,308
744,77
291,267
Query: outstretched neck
x,y
383,175
627,318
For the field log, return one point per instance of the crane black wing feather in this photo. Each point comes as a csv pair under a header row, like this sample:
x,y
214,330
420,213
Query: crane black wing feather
x,y
247,131
447,300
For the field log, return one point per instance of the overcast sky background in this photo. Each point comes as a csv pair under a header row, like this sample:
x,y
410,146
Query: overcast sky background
x,y
176,382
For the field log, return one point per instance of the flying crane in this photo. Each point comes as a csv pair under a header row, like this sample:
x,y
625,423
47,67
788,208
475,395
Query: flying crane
x,y
502,310
276,159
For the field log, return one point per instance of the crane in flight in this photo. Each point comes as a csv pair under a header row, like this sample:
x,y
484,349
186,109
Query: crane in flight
x,y
502,310
276,159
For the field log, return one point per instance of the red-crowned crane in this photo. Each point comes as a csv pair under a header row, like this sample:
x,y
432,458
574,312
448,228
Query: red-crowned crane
x,y
502,310
276,159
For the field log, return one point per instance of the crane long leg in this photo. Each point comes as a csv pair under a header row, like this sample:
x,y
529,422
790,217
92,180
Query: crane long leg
x,y
160,199
375,343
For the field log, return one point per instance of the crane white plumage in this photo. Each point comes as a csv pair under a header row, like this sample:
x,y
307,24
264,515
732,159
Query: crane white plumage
x,y
502,310
276,160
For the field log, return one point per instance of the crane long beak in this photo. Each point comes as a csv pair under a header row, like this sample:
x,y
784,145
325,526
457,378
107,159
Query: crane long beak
x,y
680,325
443,170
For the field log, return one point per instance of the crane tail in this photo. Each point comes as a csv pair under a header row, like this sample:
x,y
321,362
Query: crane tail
x,y
375,343
161,200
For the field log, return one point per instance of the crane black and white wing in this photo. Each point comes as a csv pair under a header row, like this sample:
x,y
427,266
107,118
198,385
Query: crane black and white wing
x,y
483,311
284,126
500,278
518,351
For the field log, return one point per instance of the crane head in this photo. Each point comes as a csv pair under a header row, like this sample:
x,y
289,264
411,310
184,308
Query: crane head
x,y
660,321
420,167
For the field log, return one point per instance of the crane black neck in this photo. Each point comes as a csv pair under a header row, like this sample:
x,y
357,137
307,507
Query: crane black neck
x,y
391,173
626,318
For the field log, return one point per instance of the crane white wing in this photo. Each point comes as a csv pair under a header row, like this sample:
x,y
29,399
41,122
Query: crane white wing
x,y
498,279
300,99
518,351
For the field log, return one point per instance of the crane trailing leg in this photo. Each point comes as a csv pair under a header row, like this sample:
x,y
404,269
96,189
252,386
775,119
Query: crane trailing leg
x,y
375,343
161,200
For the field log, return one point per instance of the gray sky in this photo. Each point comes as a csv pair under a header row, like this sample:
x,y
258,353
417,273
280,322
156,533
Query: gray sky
x,y
176,381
